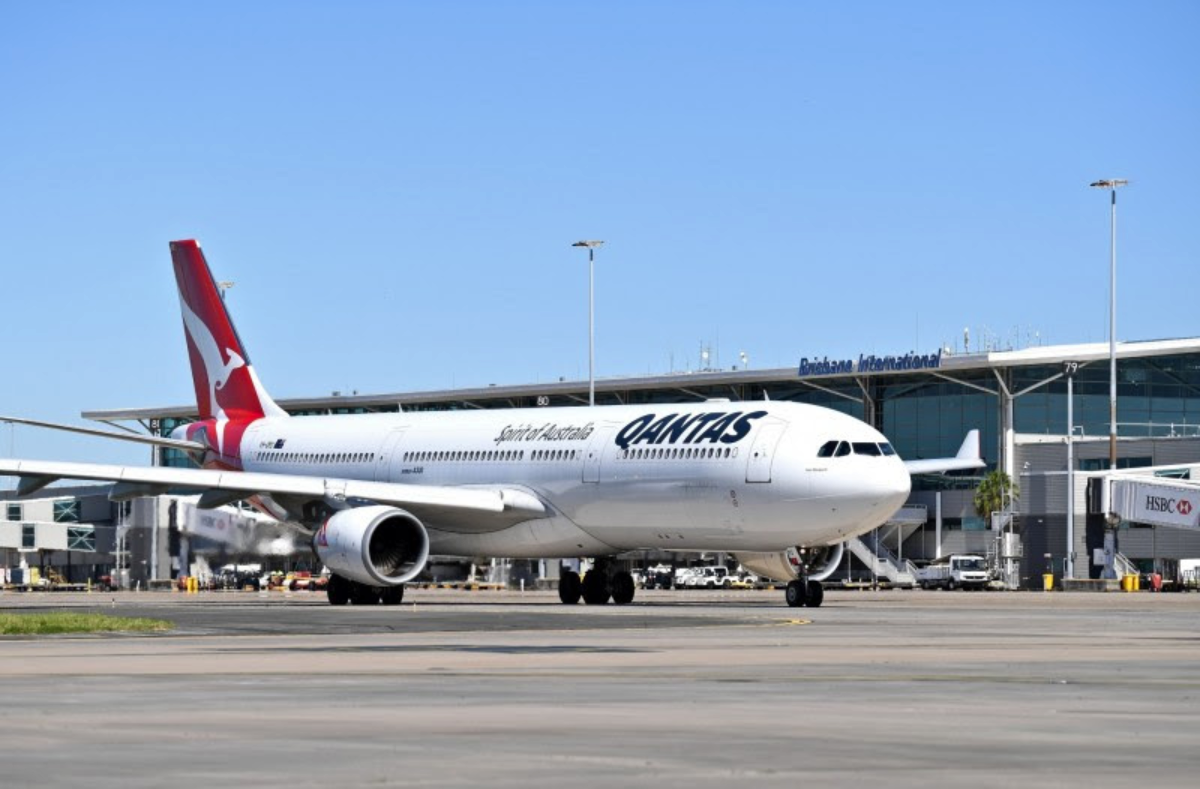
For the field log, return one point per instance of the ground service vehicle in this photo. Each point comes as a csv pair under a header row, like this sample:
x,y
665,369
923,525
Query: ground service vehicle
x,y
958,571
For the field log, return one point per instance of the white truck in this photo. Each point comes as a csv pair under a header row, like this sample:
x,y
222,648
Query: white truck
x,y
958,571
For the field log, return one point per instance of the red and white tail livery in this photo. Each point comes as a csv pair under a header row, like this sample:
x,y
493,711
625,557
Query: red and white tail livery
x,y
229,395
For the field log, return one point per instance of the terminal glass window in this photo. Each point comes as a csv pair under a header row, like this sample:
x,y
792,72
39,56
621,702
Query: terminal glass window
x,y
171,457
13,512
66,511
81,538
28,536
1101,464
1156,397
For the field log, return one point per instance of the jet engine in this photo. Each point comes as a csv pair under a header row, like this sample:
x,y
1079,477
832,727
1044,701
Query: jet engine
x,y
376,546
821,560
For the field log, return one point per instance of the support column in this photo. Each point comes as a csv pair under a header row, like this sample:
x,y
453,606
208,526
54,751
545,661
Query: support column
x,y
937,520
1009,439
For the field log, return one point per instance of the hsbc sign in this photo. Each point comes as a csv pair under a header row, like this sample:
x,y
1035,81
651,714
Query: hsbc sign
x,y
1158,503
1164,504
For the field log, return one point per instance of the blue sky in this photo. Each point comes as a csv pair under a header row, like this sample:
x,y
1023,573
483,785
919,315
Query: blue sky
x,y
394,187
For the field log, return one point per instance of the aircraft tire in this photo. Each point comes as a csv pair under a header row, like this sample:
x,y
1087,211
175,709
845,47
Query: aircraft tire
x,y
337,590
816,594
361,594
595,588
794,593
623,588
570,588
392,595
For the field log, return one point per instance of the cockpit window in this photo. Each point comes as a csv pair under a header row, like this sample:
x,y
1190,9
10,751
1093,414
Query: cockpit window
x,y
826,450
887,449
842,450
864,448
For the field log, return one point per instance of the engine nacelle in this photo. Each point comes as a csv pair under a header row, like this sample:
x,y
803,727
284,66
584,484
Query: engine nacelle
x,y
785,565
377,546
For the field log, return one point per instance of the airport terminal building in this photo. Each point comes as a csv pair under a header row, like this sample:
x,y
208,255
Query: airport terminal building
x,y
925,404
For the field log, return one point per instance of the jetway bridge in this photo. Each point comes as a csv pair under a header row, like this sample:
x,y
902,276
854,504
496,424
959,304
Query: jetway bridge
x,y
1155,501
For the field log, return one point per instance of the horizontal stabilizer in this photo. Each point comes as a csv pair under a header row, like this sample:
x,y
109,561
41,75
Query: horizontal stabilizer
x,y
137,438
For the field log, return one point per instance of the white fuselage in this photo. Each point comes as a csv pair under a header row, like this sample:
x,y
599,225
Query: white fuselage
x,y
704,476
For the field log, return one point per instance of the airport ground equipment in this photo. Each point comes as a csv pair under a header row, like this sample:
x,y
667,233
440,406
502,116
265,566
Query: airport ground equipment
x,y
958,571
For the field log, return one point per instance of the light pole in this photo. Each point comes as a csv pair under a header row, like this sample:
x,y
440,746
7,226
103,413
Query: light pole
x,y
223,286
1112,185
1069,370
591,247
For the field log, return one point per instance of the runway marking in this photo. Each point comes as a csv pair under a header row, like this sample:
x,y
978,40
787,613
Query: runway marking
x,y
417,648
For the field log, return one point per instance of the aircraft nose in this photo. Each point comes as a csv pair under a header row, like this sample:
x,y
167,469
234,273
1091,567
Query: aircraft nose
x,y
896,483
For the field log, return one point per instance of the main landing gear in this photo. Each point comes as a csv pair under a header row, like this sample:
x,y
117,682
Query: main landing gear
x,y
341,590
803,592
601,584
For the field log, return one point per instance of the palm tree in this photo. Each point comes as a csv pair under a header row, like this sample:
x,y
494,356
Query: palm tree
x,y
995,494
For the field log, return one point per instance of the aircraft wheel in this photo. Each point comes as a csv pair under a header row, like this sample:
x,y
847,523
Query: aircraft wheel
x,y
392,595
595,588
570,588
337,590
794,594
816,594
623,588
361,594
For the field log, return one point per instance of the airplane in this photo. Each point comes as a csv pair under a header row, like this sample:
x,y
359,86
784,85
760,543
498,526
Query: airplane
x,y
780,485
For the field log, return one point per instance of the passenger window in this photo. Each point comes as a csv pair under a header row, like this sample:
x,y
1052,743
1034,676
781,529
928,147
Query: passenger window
x,y
842,450
826,450
866,448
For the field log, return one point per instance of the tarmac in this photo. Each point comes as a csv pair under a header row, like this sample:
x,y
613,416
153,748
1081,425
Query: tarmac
x,y
697,689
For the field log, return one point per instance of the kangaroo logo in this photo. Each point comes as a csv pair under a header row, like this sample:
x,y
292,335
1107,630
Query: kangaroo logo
x,y
216,369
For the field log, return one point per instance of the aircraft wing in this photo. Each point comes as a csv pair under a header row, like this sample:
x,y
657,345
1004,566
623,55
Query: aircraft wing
x,y
487,508
967,457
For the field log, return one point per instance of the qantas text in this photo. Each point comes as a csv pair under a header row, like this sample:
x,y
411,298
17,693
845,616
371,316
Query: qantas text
x,y
727,428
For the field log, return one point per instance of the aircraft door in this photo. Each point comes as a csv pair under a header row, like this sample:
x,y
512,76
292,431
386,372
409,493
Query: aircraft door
x,y
762,451
386,469
595,452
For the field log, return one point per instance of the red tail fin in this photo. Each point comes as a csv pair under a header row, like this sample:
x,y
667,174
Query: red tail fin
x,y
226,386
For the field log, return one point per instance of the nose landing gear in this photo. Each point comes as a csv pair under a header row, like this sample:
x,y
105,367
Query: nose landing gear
x,y
803,592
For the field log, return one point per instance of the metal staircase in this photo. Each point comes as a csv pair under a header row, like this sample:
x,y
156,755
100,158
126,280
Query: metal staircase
x,y
883,563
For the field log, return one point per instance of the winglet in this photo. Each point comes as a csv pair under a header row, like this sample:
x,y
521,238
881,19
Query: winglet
x,y
968,457
970,447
